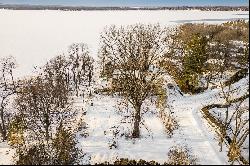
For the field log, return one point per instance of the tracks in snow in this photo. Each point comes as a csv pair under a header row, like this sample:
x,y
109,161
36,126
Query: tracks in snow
x,y
195,131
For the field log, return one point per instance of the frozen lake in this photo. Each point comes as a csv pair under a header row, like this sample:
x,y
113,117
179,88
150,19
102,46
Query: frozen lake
x,y
33,37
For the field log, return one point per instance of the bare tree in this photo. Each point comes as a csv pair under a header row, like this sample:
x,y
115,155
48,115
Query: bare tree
x,y
7,89
130,57
80,64
43,105
239,123
74,69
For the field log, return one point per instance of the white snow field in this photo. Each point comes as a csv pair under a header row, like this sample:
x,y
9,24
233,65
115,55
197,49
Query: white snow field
x,y
33,37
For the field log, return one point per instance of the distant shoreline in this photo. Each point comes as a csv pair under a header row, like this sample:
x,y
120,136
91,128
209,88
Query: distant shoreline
x,y
80,8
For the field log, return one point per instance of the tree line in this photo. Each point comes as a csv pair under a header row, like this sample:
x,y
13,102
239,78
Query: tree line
x,y
80,8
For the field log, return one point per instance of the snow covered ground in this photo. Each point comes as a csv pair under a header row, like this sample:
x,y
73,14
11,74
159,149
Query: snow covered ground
x,y
6,154
34,37
194,131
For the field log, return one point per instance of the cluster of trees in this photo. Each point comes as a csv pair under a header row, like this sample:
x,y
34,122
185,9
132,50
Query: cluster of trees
x,y
44,111
202,51
39,121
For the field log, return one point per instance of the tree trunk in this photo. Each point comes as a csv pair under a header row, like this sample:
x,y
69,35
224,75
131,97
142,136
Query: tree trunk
x,y
137,120
46,126
3,128
208,81
90,76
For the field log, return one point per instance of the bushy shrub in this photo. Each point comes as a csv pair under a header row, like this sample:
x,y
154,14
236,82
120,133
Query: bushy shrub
x,y
37,154
64,146
188,82
170,123
178,155
60,151
16,129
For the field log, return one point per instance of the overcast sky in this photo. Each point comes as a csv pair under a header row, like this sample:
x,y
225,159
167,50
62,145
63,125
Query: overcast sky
x,y
129,2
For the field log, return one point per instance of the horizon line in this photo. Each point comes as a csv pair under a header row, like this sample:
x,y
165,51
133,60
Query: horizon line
x,y
149,6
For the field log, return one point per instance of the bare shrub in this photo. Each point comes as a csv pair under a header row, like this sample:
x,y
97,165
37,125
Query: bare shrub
x,y
170,124
240,132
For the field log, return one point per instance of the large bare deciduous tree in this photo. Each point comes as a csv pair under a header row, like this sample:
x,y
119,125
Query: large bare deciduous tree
x,y
131,56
